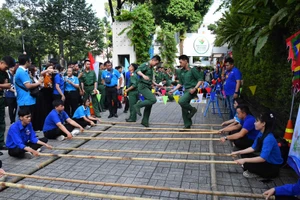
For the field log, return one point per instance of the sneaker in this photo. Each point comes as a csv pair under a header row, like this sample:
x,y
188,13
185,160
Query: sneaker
x,y
87,127
60,138
75,132
40,149
3,178
248,174
28,155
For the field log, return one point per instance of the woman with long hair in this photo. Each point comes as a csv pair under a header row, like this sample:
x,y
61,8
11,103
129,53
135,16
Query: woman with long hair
x,y
267,160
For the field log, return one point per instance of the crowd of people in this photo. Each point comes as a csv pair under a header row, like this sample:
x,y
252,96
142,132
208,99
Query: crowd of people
x,y
58,102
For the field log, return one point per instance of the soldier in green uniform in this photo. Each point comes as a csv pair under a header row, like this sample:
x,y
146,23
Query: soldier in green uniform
x,y
145,71
167,77
191,79
89,86
101,87
5,62
132,92
159,75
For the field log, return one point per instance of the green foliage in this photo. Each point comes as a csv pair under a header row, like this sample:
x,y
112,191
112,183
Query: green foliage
x,y
167,47
257,31
141,30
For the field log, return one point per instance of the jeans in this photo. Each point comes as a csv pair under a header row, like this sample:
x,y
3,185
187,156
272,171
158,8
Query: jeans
x,y
229,102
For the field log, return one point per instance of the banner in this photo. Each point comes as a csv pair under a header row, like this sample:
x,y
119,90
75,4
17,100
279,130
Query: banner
x,y
253,89
294,154
92,60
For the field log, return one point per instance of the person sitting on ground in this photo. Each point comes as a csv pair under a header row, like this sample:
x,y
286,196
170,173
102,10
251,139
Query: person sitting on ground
x,y
232,125
246,136
284,192
268,163
21,139
54,127
82,115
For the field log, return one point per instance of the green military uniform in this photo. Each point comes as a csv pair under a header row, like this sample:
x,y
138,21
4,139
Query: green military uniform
x,y
167,78
159,77
133,96
101,89
88,79
189,79
3,77
144,87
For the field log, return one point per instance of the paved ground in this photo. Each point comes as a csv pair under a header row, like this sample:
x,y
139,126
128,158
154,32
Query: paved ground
x,y
184,175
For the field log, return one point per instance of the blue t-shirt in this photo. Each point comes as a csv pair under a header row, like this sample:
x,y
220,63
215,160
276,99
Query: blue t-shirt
x,y
58,79
238,120
53,118
127,78
23,97
230,82
248,124
82,112
114,79
270,150
18,135
288,189
69,87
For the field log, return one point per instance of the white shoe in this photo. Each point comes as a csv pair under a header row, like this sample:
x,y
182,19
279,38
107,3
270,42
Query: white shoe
x,y
3,178
248,174
60,138
88,127
75,132
28,155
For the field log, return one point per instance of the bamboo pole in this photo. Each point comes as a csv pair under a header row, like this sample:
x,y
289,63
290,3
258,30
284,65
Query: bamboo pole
x,y
163,124
69,192
148,139
194,191
140,159
147,132
170,129
147,152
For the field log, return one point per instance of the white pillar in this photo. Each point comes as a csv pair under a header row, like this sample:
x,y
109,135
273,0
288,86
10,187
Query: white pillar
x,y
191,60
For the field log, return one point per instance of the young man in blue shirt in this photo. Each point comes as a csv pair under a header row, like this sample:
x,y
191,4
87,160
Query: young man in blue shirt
x,y
246,136
71,94
232,84
23,85
55,127
112,81
21,139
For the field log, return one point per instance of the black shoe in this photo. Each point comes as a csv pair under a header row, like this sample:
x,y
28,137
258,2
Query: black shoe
x,y
3,147
115,115
125,111
130,120
1,153
110,116
137,109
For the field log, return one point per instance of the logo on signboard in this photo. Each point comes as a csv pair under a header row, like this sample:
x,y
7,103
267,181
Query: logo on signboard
x,y
201,45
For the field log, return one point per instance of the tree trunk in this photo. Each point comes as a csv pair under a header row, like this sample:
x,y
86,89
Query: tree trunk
x,y
181,38
61,47
111,10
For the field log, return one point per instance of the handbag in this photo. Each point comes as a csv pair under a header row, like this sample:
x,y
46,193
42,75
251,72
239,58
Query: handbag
x,y
34,92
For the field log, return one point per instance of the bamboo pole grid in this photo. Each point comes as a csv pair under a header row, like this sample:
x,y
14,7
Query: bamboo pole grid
x,y
160,124
194,191
147,139
148,132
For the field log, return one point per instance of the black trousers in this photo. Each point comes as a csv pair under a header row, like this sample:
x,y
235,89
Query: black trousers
x,y
71,102
0,164
126,100
82,122
12,108
264,169
54,133
56,96
243,143
19,153
286,198
112,99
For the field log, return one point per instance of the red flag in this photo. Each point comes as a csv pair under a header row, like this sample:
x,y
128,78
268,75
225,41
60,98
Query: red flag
x,y
92,60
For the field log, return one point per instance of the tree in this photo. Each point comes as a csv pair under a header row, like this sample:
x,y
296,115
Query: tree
x,y
73,24
212,27
10,32
107,38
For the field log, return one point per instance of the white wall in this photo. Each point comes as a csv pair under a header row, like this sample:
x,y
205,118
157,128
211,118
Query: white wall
x,y
121,43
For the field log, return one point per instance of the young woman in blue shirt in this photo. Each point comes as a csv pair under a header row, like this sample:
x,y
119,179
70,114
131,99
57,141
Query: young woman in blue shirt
x,y
267,163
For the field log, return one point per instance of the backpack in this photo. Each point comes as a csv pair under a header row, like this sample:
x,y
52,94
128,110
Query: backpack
x,y
108,77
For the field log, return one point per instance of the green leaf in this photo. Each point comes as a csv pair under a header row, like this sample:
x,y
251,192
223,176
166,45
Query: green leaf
x,y
282,13
261,41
